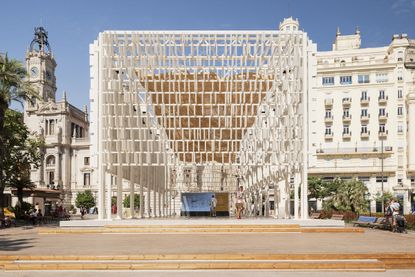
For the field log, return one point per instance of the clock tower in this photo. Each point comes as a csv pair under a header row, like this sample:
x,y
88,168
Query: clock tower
x,y
40,65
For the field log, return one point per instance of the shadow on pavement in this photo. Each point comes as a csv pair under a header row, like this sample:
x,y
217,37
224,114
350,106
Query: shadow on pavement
x,y
9,244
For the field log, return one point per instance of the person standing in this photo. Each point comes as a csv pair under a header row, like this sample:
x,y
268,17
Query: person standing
x,y
239,202
213,203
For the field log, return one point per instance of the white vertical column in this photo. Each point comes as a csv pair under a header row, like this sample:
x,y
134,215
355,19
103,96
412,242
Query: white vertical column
x,y
109,180
119,190
101,193
142,204
296,200
132,194
148,183
307,69
154,186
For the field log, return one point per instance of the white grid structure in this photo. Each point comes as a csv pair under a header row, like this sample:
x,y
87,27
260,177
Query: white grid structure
x,y
180,111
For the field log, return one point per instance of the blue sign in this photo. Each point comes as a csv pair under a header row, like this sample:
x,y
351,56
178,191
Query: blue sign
x,y
196,202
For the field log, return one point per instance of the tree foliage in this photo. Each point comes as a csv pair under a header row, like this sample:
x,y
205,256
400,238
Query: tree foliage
x,y
85,199
126,201
23,152
13,87
350,195
320,189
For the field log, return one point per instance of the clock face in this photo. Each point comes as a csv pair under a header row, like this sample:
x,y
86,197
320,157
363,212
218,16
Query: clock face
x,y
34,72
48,75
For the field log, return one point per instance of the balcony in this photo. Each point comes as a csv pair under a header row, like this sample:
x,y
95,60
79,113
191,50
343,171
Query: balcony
x,y
364,135
364,101
354,152
383,117
328,119
383,100
328,136
347,118
383,134
347,135
347,101
328,102
364,118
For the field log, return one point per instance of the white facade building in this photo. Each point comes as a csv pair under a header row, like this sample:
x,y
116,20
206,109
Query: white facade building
x,y
362,109
65,166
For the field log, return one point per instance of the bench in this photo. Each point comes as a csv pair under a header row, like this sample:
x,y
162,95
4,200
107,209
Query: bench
x,y
381,223
315,216
364,221
337,217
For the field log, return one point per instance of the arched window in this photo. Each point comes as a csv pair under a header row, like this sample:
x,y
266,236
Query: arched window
x,y
50,160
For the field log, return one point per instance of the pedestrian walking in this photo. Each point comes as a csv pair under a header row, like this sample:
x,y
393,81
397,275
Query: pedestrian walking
x,y
239,202
213,203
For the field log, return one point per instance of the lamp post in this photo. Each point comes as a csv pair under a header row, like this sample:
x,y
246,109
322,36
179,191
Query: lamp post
x,y
381,164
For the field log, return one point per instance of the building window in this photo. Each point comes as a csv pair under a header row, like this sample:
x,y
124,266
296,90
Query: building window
x,y
382,128
86,160
363,130
51,177
400,93
400,75
379,179
50,127
328,130
87,179
381,77
382,112
345,80
412,180
381,94
346,129
364,95
328,81
77,131
364,113
400,129
328,113
346,113
50,161
400,110
363,79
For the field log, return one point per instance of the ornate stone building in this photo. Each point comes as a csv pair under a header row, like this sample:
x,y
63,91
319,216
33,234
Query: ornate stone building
x,y
362,113
65,166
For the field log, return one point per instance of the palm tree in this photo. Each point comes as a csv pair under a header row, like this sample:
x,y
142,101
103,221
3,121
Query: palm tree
x,y
13,87
21,184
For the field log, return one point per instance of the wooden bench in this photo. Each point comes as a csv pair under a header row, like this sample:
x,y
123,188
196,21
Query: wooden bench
x,y
315,216
381,223
364,221
337,217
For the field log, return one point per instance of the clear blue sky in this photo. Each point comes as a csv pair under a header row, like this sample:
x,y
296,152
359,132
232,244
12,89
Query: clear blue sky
x,y
72,25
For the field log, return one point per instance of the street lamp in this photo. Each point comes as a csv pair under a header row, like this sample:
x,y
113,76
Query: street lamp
x,y
381,157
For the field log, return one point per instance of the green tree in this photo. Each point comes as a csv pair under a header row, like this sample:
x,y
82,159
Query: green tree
x,y
126,201
23,153
349,196
85,199
13,87
386,197
319,189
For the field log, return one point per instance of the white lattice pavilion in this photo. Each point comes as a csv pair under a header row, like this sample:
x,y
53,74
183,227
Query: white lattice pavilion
x,y
194,111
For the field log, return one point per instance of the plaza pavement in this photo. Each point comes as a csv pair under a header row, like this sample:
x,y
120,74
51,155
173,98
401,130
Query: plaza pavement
x,y
30,241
